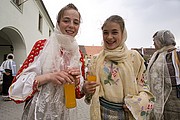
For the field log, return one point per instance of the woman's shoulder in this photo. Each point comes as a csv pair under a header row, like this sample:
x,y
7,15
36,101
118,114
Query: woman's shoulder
x,y
40,42
135,56
134,53
95,56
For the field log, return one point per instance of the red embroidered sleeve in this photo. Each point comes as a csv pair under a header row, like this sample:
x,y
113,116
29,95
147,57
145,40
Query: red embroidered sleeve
x,y
38,46
34,52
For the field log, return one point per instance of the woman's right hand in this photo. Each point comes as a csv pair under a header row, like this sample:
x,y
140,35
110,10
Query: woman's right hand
x,y
89,87
58,78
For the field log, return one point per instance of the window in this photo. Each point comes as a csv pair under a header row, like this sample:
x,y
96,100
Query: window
x,y
40,23
49,32
19,3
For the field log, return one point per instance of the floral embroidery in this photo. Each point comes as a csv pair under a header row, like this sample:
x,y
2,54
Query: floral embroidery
x,y
111,72
146,111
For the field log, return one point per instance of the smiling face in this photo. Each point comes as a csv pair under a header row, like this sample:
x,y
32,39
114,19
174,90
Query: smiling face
x,y
112,35
70,22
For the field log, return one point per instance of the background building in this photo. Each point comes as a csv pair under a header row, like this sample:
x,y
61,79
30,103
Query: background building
x,y
89,51
22,23
145,52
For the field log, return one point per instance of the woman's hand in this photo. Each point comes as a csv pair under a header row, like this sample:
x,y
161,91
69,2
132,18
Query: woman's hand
x,y
76,73
58,78
89,87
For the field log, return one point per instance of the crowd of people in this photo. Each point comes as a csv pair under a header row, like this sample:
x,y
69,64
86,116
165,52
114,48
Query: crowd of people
x,y
124,88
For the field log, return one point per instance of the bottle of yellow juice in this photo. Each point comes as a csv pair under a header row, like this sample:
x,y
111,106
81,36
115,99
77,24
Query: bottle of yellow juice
x,y
70,97
91,78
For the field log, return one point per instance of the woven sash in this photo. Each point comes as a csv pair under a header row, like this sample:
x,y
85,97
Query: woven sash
x,y
111,105
112,111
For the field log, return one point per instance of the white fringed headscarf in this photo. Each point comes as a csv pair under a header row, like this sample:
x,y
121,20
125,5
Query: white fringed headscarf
x,y
58,43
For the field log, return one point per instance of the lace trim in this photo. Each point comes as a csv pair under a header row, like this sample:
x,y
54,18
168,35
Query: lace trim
x,y
36,86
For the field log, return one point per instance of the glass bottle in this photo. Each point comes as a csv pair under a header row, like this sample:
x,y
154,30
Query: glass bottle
x,y
70,96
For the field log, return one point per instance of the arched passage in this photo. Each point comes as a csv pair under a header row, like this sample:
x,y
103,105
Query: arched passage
x,y
11,40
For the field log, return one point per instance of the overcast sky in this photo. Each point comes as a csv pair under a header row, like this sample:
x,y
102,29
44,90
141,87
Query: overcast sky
x,y
142,18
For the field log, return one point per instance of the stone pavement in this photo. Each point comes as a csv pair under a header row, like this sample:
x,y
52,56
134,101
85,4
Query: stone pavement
x,y
9,110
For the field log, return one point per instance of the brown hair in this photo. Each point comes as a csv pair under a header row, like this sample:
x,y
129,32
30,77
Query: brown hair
x,y
67,7
117,19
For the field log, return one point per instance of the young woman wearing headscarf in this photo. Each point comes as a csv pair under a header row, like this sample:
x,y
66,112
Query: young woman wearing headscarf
x,y
119,93
51,63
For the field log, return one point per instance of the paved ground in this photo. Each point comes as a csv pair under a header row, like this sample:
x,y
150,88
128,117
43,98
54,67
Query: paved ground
x,y
9,110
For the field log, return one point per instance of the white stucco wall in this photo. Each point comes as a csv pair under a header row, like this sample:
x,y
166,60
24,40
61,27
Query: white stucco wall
x,y
26,22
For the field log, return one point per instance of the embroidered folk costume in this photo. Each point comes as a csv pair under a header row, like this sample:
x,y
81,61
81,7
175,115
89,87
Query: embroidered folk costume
x,y
47,101
120,74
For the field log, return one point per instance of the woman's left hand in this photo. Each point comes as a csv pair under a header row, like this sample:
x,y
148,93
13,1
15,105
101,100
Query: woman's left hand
x,y
90,87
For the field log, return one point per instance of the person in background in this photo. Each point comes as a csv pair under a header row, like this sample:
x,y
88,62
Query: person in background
x,y
120,92
51,64
8,68
164,77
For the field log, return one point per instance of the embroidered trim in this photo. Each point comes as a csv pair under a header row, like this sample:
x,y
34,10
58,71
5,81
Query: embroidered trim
x,y
77,84
83,64
79,94
36,86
